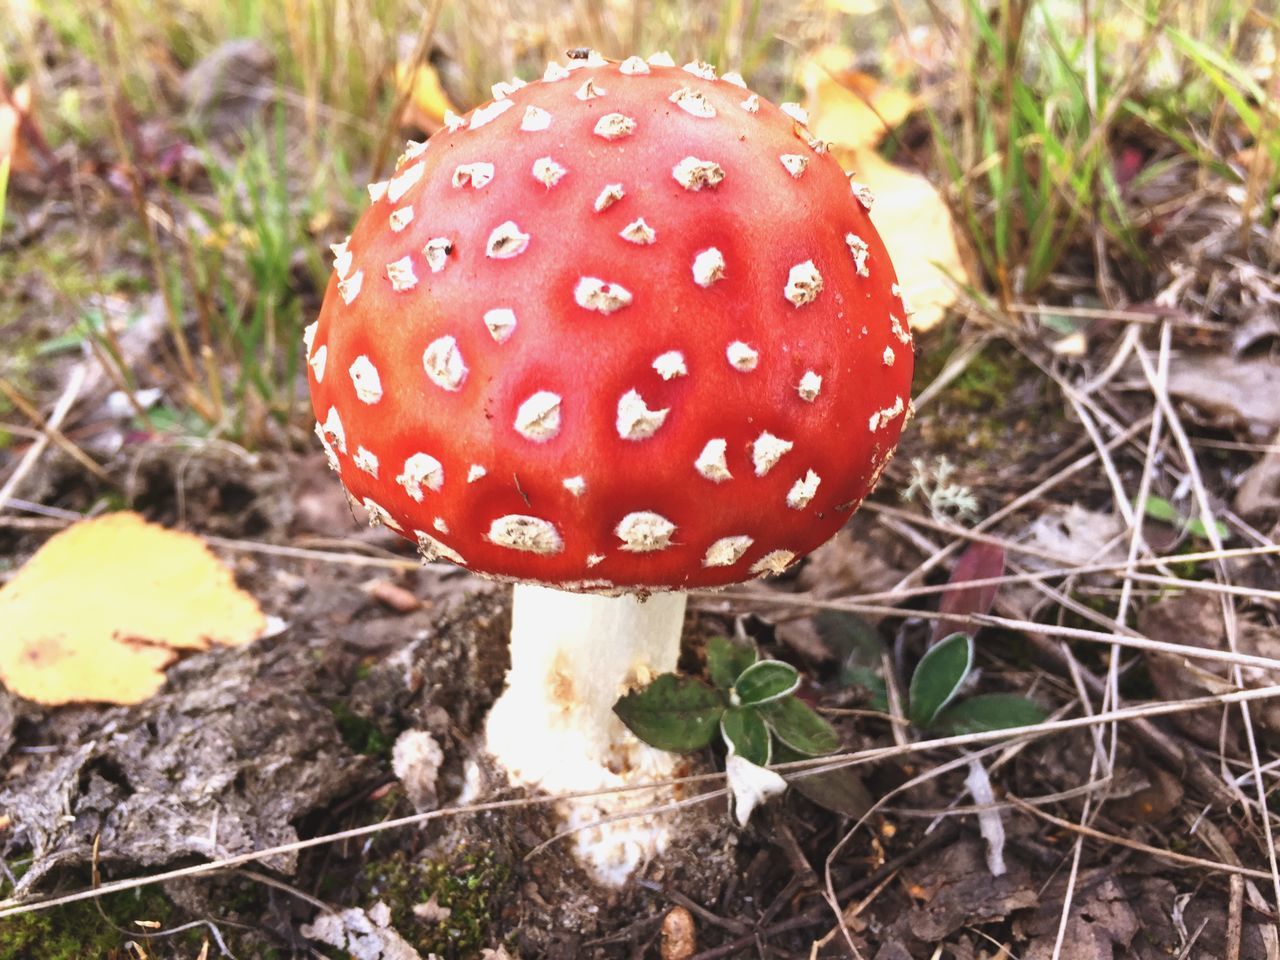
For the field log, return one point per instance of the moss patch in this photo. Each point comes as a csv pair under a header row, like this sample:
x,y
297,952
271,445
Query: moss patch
x,y
471,884
79,930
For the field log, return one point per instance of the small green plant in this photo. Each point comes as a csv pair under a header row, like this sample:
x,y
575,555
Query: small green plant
x,y
750,702
937,682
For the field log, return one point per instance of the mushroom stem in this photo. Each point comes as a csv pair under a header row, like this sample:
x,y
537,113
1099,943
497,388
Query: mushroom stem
x,y
572,656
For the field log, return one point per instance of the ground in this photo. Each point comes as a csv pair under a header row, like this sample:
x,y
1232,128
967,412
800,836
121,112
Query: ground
x,y
1095,439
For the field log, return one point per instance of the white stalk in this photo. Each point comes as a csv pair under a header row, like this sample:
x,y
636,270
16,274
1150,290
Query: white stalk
x,y
572,656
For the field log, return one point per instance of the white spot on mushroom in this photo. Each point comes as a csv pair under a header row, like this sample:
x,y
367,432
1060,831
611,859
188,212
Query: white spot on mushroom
x,y
752,103
594,58
614,126
795,164
504,88
378,514
610,195
726,551
538,418
694,174
708,267
775,561
377,190
803,490
317,361
332,457
882,418
437,252
501,323
535,118
475,472
341,258
700,68
440,525
333,431
633,66
859,249
421,470
638,232
442,360
635,420
516,531
644,532
809,387
889,356
661,59
693,102
863,193
367,461
349,288
593,559
364,375
489,112
400,273
804,283
795,112
453,122
430,549
309,335
547,172
766,450
711,462
554,72
589,91
670,364
413,149
474,175
592,293
400,218
734,77
575,485
742,357
506,241
818,146
399,185
899,331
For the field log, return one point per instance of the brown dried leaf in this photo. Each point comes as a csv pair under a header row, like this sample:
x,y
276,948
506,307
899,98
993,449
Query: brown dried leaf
x,y
1234,391
107,604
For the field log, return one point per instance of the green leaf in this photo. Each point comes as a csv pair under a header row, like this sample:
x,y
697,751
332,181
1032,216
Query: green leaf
x,y
989,711
765,681
840,790
799,727
1158,508
746,733
938,677
726,660
673,713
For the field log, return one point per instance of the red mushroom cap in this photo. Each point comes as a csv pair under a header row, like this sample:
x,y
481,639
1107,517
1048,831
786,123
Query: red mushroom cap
x,y
627,326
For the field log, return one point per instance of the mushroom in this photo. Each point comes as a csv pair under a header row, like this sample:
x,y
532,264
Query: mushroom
x,y
623,332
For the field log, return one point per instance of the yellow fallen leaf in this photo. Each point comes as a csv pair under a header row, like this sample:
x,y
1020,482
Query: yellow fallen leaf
x,y
15,111
846,107
918,231
428,101
104,606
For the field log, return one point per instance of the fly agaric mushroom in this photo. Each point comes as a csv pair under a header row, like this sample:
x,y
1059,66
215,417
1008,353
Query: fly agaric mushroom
x,y
619,333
